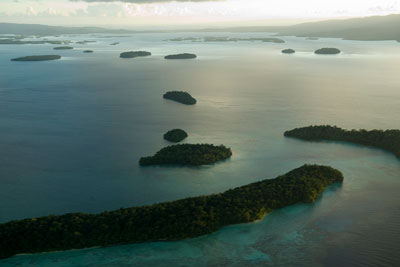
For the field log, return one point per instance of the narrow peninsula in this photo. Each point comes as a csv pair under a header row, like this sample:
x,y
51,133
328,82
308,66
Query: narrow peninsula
x,y
181,97
37,58
327,51
188,155
181,56
388,140
133,54
176,220
175,135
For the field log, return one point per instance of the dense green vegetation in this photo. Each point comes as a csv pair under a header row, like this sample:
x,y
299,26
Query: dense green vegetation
x,y
388,140
288,51
88,51
181,56
133,54
327,51
175,135
181,97
63,48
188,154
37,58
186,218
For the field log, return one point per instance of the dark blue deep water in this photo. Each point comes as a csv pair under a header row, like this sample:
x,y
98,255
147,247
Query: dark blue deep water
x,y
72,131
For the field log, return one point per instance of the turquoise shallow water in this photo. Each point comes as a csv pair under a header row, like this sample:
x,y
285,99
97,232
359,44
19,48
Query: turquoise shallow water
x,y
72,131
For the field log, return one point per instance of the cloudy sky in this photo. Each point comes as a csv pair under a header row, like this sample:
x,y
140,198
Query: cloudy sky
x,y
163,12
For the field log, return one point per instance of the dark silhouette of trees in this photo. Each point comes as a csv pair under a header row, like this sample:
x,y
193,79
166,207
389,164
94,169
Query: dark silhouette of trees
x,y
181,56
327,51
188,154
181,97
133,54
387,140
175,135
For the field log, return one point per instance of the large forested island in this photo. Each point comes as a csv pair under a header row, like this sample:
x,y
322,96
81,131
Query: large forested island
x,y
388,140
181,97
37,58
186,218
188,155
133,54
181,56
175,135
327,51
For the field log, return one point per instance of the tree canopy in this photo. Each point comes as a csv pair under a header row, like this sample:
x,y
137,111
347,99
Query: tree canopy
x,y
388,140
185,218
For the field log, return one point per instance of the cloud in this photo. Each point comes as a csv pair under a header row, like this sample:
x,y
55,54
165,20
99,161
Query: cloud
x,y
142,1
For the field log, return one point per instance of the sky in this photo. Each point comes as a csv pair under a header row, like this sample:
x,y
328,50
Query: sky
x,y
181,12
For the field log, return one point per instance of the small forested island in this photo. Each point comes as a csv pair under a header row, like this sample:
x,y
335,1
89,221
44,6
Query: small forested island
x,y
63,48
180,39
181,97
85,42
114,43
185,218
327,51
288,51
388,140
175,135
188,155
37,58
181,56
312,38
88,51
133,54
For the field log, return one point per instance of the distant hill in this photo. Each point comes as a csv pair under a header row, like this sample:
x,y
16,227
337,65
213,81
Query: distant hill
x,y
365,29
45,30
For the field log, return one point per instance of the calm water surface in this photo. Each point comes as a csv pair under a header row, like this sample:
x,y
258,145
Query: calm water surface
x,y
72,131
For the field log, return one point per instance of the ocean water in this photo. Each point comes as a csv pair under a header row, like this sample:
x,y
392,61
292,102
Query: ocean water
x,y
72,132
